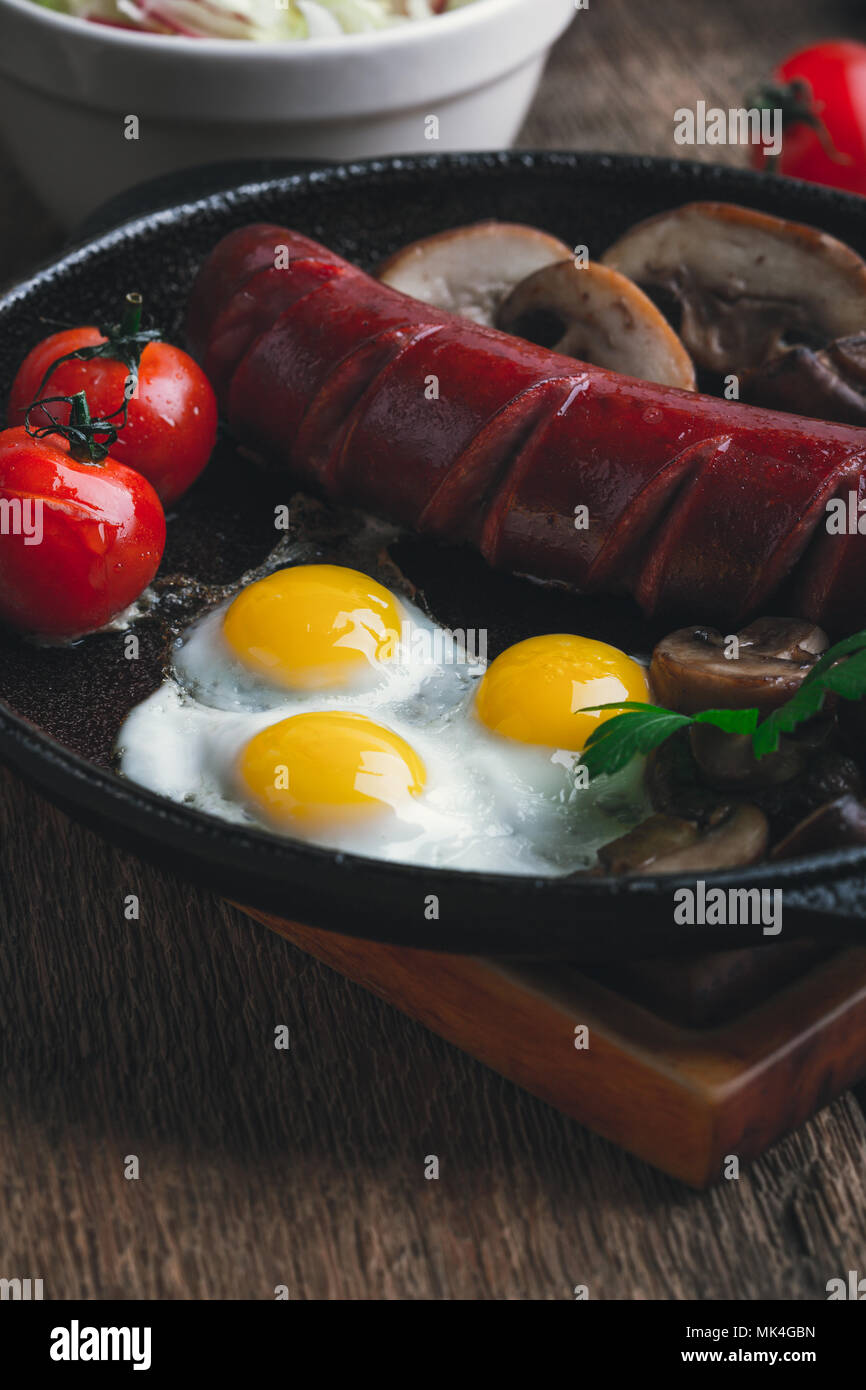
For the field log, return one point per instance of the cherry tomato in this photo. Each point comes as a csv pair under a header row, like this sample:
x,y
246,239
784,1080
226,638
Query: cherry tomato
x,y
171,420
822,91
78,542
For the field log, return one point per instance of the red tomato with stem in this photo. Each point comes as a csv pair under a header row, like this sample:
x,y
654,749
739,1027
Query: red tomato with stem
x,y
79,540
169,427
821,92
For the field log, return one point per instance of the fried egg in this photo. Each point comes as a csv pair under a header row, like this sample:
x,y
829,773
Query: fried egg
x,y
319,705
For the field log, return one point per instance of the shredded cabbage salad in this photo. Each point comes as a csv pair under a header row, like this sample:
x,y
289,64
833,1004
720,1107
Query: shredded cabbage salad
x,y
261,20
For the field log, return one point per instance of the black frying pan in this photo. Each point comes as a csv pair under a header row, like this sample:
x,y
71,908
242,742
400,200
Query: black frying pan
x,y
60,709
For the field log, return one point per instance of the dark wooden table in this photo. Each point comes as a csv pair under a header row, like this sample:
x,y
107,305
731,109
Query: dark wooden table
x,y
306,1168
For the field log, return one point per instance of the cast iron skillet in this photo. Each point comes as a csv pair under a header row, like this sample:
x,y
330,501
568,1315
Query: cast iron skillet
x,y
60,709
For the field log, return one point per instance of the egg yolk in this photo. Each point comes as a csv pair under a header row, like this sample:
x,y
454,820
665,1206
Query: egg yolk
x,y
313,627
537,691
318,772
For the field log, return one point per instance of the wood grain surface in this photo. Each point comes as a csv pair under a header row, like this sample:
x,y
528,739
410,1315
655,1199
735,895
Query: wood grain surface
x,y
305,1167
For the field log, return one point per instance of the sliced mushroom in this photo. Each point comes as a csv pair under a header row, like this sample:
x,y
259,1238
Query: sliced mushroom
x,y
690,670
601,317
849,356
471,270
826,385
738,836
839,824
674,783
829,775
655,838
748,283
727,761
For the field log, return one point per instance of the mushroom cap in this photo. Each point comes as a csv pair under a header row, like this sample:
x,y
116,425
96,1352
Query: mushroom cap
x,y
470,270
690,672
745,280
606,320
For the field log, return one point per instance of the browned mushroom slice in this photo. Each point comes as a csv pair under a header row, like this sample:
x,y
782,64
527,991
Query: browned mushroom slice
x,y
739,837
602,317
696,668
828,776
839,824
748,283
827,385
666,845
675,785
728,763
655,838
848,355
471,270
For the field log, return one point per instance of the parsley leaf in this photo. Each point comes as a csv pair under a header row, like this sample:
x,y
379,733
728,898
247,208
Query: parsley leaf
x,y
730,721
847,679
635,732
639,728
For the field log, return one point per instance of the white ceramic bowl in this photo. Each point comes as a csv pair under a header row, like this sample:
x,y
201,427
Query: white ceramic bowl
x,y
67,89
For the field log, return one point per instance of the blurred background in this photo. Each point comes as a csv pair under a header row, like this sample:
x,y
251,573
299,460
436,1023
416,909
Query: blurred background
x,y
612,83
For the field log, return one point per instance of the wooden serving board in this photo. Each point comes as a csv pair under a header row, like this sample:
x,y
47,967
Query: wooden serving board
x,y
687,1062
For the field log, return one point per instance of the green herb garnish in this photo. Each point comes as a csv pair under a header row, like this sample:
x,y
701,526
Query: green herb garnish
x,y
640,728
